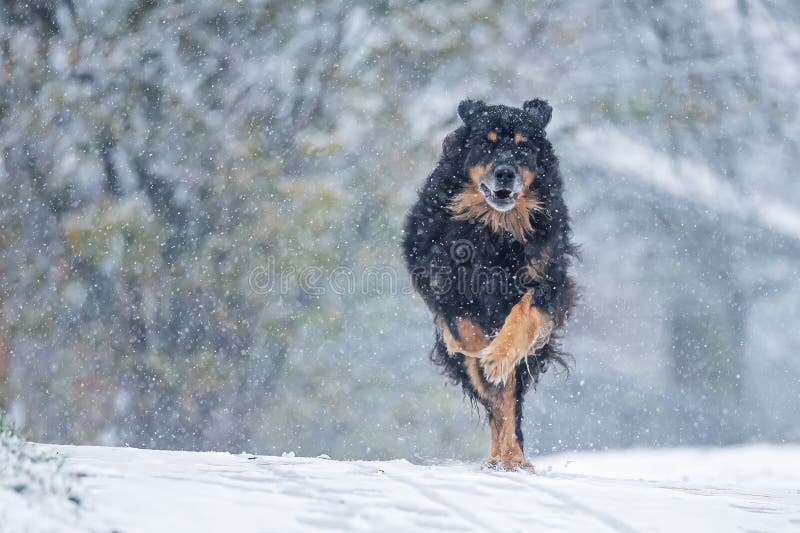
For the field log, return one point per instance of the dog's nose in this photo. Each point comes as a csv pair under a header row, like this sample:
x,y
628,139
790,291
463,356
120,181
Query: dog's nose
x,y
505,174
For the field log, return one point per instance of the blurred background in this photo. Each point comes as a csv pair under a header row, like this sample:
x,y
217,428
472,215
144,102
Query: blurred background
x,y
155,155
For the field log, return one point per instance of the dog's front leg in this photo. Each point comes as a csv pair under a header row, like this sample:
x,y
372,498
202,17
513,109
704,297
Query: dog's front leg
x,y
526,329
471,338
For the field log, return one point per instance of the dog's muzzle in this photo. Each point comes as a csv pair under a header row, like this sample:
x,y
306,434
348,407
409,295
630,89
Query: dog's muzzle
x,y
502,187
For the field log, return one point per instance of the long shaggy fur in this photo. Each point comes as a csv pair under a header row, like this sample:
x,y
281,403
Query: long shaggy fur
x,y
471,205
468,259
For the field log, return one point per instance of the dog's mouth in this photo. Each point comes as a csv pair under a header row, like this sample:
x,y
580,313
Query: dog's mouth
x,y
499,199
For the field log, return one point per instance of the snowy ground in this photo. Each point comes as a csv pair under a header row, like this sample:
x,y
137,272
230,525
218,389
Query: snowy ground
x,y
754,488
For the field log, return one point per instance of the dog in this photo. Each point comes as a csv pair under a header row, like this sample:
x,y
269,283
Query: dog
x,y
488,246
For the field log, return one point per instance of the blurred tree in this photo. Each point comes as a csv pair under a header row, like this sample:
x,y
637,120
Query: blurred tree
x,y
154,154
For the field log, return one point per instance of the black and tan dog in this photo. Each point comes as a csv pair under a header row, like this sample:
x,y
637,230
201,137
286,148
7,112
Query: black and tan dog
x,y
488,247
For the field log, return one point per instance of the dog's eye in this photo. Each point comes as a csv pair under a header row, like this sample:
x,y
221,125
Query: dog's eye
x,y
492,136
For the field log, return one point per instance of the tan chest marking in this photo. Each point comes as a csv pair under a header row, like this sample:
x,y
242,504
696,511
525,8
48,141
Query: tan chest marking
x,y
471,205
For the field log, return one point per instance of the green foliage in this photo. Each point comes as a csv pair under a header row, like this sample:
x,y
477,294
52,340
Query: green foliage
x,y
32,472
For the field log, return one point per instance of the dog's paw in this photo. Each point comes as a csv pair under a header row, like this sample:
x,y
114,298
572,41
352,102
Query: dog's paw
x,y
516,463
497,362
508,463
511,346
492,462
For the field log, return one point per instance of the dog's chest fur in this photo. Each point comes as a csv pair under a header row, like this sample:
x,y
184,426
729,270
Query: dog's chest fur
x,y
481,272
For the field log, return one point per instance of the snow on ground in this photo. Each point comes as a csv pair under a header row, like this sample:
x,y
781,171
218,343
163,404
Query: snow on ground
x,y
752,488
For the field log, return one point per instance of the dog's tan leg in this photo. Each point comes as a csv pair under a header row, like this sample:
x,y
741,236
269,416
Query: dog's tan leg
x,y
505,451
502,407
472,338
525,328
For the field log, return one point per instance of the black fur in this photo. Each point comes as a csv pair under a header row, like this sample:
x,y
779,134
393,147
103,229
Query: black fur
x,y
462,267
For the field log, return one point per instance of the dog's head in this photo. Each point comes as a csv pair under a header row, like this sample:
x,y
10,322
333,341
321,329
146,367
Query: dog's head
x,y
502,148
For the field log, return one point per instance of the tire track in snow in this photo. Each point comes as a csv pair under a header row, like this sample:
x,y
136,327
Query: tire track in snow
x,y
452,509
605,518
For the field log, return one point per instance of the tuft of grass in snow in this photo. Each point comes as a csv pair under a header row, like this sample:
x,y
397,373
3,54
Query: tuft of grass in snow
x,y
36,494
28,470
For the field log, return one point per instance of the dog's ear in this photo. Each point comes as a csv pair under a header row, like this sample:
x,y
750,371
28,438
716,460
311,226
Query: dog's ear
x,y
540,110
453,144
468,109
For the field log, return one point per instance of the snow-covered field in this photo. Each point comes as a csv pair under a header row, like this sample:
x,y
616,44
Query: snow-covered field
x,y
753,488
